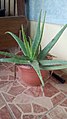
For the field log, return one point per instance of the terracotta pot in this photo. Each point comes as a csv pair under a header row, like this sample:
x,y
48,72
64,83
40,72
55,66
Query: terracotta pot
x,y
28,75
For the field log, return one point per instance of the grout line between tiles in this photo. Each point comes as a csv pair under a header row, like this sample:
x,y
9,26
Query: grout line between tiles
x,y
49,117
51,109
2,106
8,107
57,94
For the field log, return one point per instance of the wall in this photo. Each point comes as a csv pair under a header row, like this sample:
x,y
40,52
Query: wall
x,y
56,17
60,48
56,10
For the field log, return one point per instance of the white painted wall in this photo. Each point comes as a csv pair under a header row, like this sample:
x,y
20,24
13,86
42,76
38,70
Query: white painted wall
x,y
60,48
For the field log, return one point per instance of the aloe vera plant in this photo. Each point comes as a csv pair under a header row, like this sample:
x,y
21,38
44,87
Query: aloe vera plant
x,y
31,53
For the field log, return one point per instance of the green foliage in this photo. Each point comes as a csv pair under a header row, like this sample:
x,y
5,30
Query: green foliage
x,y
32,54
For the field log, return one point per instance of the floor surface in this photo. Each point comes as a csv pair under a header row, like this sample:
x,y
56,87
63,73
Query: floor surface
x,y
18,101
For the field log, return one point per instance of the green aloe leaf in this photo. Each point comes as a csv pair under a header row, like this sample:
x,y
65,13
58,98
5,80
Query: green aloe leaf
x,y
14,60
9,54
30,42
19,41
52,62
36,67
42,29
45,51
38,36
56,67
26,43
36,39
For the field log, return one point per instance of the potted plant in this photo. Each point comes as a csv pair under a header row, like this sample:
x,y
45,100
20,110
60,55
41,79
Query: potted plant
x,y
33,59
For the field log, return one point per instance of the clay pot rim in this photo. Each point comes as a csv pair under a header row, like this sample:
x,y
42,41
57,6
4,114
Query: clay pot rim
x,y
26,66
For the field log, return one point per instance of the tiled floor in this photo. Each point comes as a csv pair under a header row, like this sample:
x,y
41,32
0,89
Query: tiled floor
x,y
18,101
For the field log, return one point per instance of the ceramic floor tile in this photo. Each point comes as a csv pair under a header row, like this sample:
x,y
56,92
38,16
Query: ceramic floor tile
x,y
16,90
28,117
8,97
5,85
45,117
38,117
28,102
64,103
4,113
1,68
66,109
2,103
58,113
26,108
58,98
4,77
38,108
7,65
16,83
11,68
34,91
50,90
62,87
34,117
16,111
44,102
23,99
10,77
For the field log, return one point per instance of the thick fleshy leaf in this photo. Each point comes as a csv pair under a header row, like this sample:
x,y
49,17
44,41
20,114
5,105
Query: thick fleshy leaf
x,y
56,67
26,43
30,42
38,36
36,39
14,60
19,41
9,54
45,51
52,62
36,67
42,28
